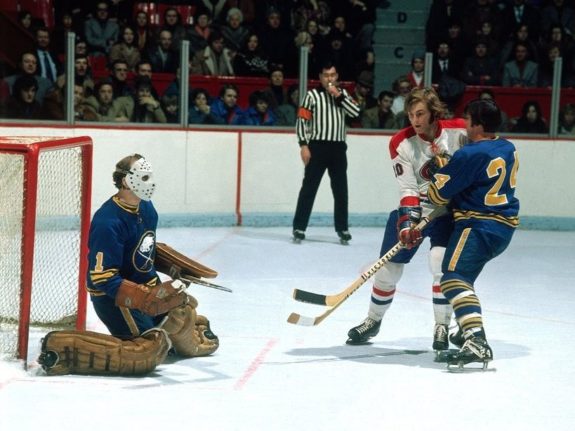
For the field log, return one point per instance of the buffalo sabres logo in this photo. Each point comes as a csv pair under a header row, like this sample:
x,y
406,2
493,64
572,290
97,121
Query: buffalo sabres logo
x,y
143,258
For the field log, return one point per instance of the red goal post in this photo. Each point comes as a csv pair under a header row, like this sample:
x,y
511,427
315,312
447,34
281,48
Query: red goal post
x,y
45,192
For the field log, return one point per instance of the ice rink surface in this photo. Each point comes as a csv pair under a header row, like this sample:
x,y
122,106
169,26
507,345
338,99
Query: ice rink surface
x,y
270,375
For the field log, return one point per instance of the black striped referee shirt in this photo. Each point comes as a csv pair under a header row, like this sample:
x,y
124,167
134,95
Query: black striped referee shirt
x,y
321,117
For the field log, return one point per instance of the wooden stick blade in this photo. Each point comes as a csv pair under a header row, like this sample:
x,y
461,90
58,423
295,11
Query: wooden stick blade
x,y
298,319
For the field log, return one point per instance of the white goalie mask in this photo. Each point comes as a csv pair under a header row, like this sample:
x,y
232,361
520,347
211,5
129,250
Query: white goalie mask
x,y
140,179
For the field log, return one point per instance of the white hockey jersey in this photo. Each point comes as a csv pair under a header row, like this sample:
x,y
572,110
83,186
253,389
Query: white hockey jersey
x,y
411,154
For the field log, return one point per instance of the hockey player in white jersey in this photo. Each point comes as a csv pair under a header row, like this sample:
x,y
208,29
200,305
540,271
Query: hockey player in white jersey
x,y
416,152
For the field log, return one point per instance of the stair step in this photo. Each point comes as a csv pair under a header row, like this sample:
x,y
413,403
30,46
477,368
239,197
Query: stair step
x,y
399,35
402,16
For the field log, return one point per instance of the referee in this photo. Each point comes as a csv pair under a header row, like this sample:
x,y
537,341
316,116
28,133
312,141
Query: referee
x,y
321,130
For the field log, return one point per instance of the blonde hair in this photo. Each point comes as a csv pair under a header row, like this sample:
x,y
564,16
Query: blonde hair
x,y
428,96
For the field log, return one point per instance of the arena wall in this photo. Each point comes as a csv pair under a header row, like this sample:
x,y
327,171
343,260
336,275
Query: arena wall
x,y
252,177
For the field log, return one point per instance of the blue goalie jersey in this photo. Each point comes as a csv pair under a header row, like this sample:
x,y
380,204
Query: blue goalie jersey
x,y
122,245
479,183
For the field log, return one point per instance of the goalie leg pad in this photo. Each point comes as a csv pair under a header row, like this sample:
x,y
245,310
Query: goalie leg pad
x,y
190,333
91,353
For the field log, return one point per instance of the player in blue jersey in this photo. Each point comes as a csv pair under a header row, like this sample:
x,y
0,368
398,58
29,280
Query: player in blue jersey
x,y
478,184
145,316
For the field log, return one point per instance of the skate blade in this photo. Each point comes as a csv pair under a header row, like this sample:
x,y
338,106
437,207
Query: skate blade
x,y
350,342
296,240
342,242
470,367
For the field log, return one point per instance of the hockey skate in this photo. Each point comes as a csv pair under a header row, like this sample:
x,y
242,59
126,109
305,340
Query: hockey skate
x,y
457,338
361,333
344,236
440,337
475,349
298,236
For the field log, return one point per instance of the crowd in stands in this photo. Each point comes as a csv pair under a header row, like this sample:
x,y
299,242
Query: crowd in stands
x,y
120,45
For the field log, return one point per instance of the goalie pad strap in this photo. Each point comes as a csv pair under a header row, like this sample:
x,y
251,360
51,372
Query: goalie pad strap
x,y
170,261
91,353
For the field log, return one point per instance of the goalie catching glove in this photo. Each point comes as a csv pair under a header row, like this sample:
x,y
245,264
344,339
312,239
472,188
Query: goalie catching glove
x,y
152,300
408,218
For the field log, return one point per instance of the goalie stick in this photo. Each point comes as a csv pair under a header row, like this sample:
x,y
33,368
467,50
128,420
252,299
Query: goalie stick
x,y
334,301
187,279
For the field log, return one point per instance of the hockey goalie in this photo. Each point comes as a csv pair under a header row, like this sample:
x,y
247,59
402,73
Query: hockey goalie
x,y
146,317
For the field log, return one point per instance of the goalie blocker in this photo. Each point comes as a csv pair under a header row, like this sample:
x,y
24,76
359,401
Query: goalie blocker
x,y
176,265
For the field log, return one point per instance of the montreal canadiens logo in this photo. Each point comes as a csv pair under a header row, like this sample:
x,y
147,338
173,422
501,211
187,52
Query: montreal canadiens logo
x,y
143,254
424,172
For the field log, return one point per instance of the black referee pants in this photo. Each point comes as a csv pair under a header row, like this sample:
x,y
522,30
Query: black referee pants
x,y
331,156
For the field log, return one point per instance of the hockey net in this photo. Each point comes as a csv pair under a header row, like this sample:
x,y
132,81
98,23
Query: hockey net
x,y
45,186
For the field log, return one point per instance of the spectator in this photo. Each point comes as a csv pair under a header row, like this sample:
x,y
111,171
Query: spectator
x,y
260,112
81,47
146,108
490,39
60,32
226,107
444,63
200,110
567,120
557,12
250,60
277,43
119,79
83,74
340,26
481,68
380,116
363,91
50,66
340,51
170,106
476,14
233,31
144,69
163,57
518,13
547,66
81,111
200,32
401,87
287,111
144,33
22,104
276,91
520,72
248,8
25,21
105,107
487,94
557,36
302,39
531,120
28,66
318,38
305,11
416,73
521,35
441,14
126,49
214,60
459,44
100,31
173,23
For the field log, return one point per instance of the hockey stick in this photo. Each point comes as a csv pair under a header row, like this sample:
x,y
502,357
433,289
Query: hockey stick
x,y
187,279
334,301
